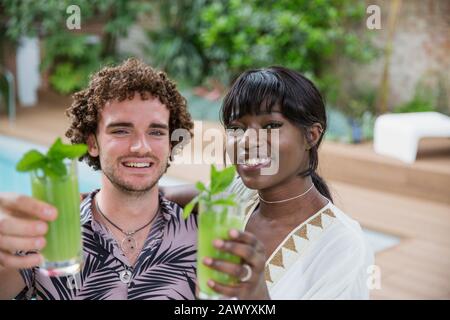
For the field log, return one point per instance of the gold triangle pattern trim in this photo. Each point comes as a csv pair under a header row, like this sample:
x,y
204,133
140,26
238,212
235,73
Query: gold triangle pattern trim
x,y
329,213
290,244
302,232
277,259
317,221
267,274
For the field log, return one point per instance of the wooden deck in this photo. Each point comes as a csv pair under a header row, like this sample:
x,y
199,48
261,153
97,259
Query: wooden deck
x,y
417,268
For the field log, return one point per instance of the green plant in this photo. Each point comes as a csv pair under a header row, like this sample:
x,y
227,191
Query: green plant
x,y
175,44
70,59
201,39
357,102
52,162
431,94
303,35
356,105
367,125
419,103
46,18
70,56
220,180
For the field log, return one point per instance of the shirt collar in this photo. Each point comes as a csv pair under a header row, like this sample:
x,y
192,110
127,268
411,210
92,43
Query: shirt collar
x,y
166,207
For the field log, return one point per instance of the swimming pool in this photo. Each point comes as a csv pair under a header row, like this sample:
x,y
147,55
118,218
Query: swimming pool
x,y
12,149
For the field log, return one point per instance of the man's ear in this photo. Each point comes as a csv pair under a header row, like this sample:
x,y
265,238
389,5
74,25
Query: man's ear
x,y
92,146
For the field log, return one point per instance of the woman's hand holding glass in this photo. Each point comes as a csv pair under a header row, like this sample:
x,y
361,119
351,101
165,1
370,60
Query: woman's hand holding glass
x,y
252,284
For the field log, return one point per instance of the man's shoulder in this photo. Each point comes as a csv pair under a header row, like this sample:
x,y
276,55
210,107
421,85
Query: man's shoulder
x,y
174,210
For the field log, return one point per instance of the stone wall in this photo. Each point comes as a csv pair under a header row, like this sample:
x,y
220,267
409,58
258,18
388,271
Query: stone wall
x,y
421,51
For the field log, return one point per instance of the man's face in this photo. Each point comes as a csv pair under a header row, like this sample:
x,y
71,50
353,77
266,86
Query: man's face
x,y
133,143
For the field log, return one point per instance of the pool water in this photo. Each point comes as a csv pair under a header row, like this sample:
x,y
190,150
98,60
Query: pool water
x,y
380,241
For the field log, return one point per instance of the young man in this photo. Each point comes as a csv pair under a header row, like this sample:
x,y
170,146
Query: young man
x,y
125,116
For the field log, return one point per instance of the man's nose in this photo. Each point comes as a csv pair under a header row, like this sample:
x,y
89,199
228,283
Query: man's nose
x,y
140,144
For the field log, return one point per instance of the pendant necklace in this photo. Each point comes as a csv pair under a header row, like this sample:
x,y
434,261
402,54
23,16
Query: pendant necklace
x,y
129,243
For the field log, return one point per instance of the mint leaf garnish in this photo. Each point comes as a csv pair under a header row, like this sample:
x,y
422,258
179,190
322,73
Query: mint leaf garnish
x,y
31,160
189,207
200,186
220,180
52,163
55,168
61,151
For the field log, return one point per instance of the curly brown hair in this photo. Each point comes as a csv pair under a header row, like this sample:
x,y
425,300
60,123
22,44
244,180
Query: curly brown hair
x,y
122,82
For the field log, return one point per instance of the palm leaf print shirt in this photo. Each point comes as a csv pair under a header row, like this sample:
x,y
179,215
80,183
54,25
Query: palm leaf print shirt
x,y
165,268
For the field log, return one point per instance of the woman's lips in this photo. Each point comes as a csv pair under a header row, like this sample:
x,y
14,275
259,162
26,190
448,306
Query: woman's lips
x,y
255,164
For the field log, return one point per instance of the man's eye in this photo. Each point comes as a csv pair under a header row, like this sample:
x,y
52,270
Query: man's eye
x,y
119,132
157,133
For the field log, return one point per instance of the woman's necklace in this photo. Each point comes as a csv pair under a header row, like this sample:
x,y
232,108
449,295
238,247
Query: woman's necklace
x,y
129,243
285,200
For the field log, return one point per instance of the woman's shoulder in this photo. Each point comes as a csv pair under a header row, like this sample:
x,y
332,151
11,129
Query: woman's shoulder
x,y
345,220
346,233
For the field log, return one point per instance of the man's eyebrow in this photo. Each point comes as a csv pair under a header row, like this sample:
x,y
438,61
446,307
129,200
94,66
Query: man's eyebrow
x,y
119,124
159,125
153,125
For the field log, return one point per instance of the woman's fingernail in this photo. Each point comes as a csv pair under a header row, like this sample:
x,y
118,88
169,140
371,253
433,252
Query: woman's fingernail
x,y
234,233
211,283
218,243
207,261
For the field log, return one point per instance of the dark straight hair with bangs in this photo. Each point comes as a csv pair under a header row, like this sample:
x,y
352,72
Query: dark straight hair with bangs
x,y
260,90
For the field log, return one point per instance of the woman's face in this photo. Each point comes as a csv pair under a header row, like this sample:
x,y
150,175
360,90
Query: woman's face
x,y
265,162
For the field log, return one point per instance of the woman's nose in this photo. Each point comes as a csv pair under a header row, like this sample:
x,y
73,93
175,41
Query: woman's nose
x,y
249,139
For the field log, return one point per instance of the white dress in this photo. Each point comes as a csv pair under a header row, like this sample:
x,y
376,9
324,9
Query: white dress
x,y
325,257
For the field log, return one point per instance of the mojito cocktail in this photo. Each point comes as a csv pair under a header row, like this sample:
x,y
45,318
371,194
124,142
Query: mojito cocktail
x,y
62,254
214,222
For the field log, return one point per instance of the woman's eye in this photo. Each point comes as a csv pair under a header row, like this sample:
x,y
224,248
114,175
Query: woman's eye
x,y
273,125
235,128
235,132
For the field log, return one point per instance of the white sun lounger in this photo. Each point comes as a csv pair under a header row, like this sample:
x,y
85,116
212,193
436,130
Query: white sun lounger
x,y
398,135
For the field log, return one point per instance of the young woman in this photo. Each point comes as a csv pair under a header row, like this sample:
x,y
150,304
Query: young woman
x,y
310,249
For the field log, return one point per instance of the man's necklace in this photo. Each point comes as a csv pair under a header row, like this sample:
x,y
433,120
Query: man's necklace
x,y
129,243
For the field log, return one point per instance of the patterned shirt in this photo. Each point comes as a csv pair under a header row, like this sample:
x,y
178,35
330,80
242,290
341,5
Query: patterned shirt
x,y
165,268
